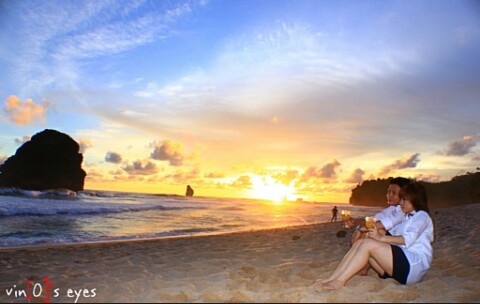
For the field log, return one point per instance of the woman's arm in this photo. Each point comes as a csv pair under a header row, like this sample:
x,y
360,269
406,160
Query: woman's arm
x,y
391,239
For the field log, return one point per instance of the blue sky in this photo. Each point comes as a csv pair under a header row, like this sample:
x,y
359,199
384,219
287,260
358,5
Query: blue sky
x,y
246,97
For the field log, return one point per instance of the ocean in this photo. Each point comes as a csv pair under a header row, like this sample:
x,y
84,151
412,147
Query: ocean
x,y
33,218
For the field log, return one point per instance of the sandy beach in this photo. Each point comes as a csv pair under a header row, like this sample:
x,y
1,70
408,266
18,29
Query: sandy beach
x,y
275,265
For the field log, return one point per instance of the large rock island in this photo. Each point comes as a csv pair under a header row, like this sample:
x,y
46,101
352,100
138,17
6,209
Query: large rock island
x,y
50,160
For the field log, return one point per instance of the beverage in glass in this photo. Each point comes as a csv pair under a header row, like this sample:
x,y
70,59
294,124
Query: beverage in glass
x,y
370,222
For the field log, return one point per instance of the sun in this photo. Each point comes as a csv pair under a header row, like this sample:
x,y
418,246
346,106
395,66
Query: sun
x,y
268,189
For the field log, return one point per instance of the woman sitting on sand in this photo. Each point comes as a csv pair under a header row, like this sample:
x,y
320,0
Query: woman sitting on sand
x,y
406,255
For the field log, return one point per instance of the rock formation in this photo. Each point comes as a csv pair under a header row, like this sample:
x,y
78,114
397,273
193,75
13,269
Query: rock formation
x,y
189,191
50,160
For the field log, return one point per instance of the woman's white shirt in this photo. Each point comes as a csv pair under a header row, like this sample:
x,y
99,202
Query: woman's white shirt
x,y
417,231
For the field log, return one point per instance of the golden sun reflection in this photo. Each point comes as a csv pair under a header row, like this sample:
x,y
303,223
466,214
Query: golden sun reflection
x,y
269,189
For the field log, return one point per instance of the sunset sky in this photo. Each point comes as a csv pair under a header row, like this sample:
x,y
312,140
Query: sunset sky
x,y
261,99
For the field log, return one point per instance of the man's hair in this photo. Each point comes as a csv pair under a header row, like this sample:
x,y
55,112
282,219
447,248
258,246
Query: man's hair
x,y
400,181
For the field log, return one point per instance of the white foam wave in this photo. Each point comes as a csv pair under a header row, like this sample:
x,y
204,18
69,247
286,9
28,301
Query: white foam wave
x,y
34,193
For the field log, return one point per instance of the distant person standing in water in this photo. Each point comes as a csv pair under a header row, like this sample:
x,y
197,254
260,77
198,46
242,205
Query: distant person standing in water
x,y
334,214
189,191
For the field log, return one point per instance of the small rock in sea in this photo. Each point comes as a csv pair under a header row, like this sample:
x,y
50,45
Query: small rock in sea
x,y
341,233
295,237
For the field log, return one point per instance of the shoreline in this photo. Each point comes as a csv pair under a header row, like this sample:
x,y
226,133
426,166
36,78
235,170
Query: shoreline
x,y
154,239
205,234
266,265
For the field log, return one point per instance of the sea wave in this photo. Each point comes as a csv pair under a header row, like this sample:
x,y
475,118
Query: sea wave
x,y
230,208
33,193
52,207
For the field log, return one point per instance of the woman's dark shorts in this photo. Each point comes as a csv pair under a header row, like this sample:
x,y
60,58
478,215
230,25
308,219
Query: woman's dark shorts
x,y
401,266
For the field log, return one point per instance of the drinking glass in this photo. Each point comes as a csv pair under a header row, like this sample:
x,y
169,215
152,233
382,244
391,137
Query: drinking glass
x,y
370,222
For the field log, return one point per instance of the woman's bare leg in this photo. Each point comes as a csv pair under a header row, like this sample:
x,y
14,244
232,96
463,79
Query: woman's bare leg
x,y
355,237
379,252
345,261
376,267
364,270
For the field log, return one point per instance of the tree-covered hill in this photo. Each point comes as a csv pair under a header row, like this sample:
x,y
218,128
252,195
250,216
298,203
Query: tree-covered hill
x,y
460,190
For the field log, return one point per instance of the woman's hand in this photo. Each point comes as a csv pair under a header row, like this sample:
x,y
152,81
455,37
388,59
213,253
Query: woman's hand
x,y
375,234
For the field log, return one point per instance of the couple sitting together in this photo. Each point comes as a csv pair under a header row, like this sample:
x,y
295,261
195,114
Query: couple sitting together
x,y
398,246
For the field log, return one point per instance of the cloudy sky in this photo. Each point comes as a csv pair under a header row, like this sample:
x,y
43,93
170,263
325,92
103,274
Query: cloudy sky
x,y
246,98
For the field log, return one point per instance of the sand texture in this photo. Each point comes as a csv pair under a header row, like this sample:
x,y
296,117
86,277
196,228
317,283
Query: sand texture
x,y
276,265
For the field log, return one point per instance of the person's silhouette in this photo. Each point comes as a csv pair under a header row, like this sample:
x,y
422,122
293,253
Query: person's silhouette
x,y
334,214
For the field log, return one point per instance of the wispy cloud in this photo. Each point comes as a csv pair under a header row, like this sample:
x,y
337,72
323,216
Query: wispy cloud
x,y
461,147
279,57
406,162
291,76
57,35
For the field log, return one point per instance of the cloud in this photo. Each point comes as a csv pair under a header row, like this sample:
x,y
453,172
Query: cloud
x,y
84,144
214,175
113,157
432,178
290,83
356,176
406,162
182,176
269,60
242,182
328,171
25,113
282,74
55,38
461,147
168,150
140,167
286,177
21,141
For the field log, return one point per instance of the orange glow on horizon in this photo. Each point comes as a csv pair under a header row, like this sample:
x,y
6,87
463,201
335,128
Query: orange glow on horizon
x,y
263,188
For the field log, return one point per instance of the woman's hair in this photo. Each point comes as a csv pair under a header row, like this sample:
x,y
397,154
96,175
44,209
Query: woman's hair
x,y
416,193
